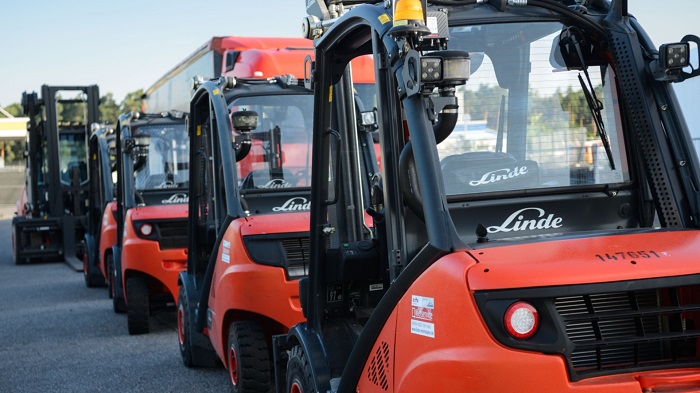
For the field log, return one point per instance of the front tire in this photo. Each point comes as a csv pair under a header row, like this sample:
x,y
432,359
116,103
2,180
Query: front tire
x,y
138,310
93,277
299,377
118,302
184,328
248,358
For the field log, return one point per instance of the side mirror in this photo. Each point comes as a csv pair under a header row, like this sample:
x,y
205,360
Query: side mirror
x,y
137,147
244,122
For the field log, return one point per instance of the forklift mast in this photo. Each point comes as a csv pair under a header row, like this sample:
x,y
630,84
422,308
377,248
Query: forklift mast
x,y
57,174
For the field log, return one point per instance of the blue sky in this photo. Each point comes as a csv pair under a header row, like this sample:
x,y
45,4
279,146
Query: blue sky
x,y
125,45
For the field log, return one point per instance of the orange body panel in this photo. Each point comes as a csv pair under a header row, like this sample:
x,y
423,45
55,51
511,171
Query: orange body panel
x,y
587,260
363,69
224,43
269,63
108,235
243,286
436,340
145,256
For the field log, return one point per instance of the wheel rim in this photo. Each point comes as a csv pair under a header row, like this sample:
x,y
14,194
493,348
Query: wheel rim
x,y
233,366
295,388
181,324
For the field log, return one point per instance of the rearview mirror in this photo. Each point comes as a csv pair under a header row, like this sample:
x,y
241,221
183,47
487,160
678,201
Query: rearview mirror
x,y
244,121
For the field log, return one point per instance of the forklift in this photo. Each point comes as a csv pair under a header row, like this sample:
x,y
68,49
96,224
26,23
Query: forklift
x,y
53,221
495,262
249,219
152,160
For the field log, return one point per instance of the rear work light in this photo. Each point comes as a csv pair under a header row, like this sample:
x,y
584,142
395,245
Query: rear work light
x,y
521,320
146,229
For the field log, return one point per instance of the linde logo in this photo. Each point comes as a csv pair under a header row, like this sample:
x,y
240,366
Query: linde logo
x,y
276,183
518,221
176,198
499,175
425,314
294,204
168,184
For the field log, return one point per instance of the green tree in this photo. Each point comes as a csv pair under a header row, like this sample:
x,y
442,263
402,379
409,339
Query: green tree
x,y
14,150
109,109
132,101
14,109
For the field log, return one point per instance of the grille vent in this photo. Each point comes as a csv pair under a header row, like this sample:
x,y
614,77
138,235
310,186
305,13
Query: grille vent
x,y
635,101
297,252
379,367
173,234
630,330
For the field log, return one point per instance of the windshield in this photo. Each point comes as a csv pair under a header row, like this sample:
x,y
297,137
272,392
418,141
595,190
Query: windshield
x,y
524,121
165,162
72,158
280,152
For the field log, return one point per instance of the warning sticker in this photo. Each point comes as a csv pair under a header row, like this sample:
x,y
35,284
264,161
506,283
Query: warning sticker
x,y
423,328
422,313
226,252
422,301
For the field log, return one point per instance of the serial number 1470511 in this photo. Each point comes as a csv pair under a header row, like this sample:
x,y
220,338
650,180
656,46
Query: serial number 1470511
x,y
624,255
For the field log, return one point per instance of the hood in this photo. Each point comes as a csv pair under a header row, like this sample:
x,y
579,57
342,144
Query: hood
x,y
586,260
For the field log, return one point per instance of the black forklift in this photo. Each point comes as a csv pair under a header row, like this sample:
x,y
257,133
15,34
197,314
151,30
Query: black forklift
x,y
53,219
102,169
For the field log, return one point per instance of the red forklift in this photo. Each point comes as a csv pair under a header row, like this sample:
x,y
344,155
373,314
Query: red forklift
x,y
152,192
250,186
495,263
51,224
101,233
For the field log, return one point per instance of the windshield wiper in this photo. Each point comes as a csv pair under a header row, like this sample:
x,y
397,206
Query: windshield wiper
x,y
594,104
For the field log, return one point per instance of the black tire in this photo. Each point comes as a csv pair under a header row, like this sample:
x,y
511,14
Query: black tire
x,y
248,358
15,251
109,266
118,302
93,276
183,328
18,260
138,306
299,377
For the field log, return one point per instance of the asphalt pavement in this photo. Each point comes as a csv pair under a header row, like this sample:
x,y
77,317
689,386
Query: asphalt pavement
x,y
56,335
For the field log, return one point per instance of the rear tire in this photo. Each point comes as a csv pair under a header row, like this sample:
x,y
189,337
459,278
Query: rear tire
x,y
248,358
184,328
299,377
138,310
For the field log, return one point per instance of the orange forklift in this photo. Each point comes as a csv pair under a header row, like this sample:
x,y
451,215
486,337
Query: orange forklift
x,y
152,194
250,183
101,233
499,260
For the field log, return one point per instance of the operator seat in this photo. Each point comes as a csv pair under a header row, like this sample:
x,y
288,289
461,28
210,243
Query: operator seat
x,y
485,171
